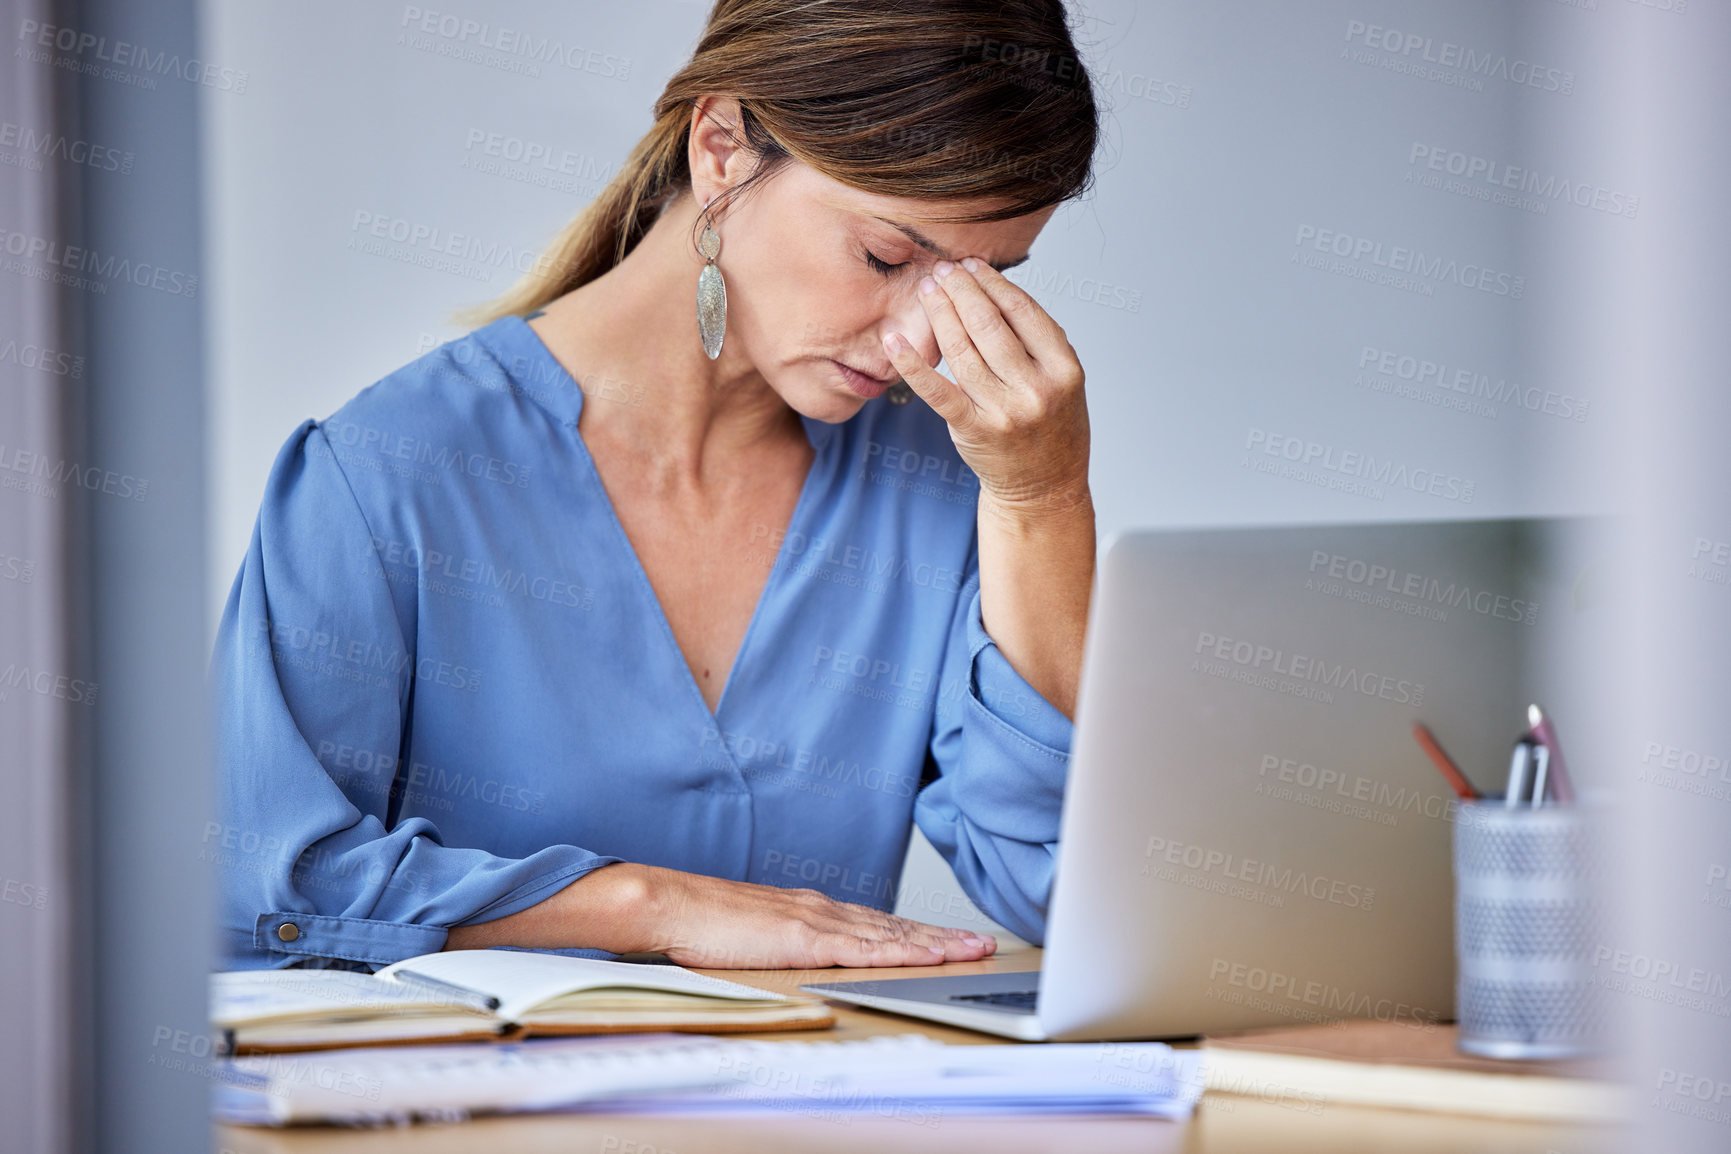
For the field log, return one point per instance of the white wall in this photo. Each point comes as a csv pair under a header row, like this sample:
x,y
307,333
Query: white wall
x,y
1239,133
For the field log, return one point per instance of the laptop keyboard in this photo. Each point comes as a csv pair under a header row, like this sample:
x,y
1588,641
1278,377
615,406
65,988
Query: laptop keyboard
x,y
1012,1000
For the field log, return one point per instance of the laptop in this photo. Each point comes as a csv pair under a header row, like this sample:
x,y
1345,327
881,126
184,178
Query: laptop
x,y
1252,835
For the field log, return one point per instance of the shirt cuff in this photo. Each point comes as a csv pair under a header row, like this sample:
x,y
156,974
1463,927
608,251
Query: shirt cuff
x,y
352,939
1003,694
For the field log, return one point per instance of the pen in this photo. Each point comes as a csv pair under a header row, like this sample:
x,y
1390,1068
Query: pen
x,y
1456,779
1518,763
460,994
1541,766
1546,734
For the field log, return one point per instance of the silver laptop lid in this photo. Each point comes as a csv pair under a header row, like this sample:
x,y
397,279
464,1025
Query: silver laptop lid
x,y
1251,834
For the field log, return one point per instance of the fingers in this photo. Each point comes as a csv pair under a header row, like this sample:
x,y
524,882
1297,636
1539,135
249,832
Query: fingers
x,y
1043,339
946,399
860,936
973,320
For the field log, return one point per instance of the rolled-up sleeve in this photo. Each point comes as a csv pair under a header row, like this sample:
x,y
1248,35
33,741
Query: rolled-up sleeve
x,y
314,654
1002,753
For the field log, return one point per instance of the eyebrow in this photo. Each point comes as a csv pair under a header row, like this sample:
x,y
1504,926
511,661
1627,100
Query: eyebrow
x,y
932,246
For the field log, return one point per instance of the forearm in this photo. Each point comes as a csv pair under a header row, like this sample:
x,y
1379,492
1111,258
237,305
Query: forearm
x,y
1036,580
605,909
627,908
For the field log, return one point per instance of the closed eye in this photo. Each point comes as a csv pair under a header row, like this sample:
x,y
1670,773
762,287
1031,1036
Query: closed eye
x,y
882,267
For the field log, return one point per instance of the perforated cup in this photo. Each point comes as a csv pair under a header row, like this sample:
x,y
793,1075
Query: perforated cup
x,y
1528,912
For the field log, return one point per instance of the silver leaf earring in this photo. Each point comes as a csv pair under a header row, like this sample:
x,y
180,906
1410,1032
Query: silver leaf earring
x,y
711,292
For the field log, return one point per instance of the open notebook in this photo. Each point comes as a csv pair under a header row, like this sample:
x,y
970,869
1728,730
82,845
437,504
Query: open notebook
x,y
459,995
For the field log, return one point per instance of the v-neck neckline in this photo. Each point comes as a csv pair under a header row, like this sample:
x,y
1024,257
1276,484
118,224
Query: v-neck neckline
x,y
817,432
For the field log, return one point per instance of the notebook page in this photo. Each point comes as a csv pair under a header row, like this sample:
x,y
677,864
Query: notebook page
x,y
521,981
264,995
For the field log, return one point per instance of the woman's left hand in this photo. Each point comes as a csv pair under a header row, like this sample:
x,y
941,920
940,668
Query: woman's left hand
x,y
1015,410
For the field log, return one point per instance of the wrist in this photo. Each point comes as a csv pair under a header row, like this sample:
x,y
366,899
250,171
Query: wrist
x,y
1037,507
615,907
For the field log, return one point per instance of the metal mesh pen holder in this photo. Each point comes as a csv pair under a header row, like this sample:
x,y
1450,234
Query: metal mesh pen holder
x,y
1528,906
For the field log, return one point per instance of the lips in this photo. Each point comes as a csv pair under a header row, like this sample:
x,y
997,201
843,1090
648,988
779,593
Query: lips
x,y
885,381
862,384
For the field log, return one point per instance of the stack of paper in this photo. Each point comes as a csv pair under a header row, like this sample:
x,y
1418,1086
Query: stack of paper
x,y
908,1075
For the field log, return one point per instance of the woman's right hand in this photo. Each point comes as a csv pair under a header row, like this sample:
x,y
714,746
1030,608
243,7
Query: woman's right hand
x,y
713,923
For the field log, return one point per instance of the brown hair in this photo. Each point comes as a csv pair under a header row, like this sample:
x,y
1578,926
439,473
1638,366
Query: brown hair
x,y
982,100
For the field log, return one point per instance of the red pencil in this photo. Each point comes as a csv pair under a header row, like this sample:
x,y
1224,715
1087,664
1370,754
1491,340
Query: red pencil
x,y
1457,781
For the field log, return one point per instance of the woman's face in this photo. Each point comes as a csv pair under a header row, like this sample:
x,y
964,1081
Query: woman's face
x,y
818,272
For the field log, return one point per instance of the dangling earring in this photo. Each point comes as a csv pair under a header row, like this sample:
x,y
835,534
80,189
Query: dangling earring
x,y
711,292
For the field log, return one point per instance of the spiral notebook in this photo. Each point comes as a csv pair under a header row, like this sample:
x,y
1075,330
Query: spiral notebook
x,y
485,995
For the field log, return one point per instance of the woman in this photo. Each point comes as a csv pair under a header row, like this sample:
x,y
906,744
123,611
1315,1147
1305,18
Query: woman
x,y
604,630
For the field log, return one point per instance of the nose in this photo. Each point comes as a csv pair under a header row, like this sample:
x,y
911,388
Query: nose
x,y
909,319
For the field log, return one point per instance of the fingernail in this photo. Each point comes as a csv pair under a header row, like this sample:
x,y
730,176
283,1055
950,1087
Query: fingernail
x,y
936,951
893,343
944,268
973,941
927,285
970,264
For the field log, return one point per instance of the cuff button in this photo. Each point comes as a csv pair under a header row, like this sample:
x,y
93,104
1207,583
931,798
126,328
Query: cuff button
x,y
288,931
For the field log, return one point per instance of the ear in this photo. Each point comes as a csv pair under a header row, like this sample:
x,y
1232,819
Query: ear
x,y
714,149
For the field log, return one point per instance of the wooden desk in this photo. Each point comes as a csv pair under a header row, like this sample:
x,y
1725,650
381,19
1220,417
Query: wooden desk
x,y
1222,1124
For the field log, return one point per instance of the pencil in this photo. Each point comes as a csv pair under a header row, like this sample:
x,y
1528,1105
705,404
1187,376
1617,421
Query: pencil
x,y
1457,780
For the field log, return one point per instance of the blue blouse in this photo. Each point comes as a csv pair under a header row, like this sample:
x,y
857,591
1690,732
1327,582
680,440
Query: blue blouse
x,y
445,689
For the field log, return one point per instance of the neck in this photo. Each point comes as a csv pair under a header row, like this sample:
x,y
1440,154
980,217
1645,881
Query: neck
x,y
629,337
